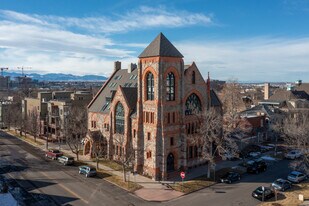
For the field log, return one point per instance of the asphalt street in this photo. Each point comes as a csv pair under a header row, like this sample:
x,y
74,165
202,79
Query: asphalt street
x,y
60,185
63,185
238,193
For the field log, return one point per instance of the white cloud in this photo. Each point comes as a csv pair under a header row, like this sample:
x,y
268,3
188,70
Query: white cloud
x,y
48,43
141,18
263,58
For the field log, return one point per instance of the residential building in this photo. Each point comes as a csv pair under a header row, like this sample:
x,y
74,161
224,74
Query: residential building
x,y
148,109
50,108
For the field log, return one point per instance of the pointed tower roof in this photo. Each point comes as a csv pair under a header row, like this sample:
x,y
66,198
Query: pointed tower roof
x,y
160,46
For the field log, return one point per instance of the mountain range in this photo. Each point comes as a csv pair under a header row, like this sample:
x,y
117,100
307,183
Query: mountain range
x,y
57,77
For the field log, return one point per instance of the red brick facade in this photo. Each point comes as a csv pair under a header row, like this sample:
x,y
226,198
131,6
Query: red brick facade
x,y
156,128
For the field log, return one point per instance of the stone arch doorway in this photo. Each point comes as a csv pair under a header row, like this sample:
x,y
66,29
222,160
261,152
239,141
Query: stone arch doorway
x,y
87,148
170,165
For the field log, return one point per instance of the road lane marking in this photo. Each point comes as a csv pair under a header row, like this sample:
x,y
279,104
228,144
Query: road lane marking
x,y
67,189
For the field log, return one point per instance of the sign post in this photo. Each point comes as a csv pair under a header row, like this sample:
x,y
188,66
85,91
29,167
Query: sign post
x,y
182,175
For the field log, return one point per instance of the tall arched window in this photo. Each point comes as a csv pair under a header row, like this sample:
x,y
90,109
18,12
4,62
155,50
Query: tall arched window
x,y
170,87
150,86
193,77
119,119
193,104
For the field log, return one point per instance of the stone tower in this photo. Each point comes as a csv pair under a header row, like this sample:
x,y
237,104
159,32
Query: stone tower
x,y
159,106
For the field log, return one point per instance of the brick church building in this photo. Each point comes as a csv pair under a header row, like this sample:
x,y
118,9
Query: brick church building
x,y
146,110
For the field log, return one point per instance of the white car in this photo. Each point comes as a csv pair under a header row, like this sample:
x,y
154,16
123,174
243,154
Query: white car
x,y
293,154
297,177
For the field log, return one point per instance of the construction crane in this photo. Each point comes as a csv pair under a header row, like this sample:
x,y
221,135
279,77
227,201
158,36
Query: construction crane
x,y
3,68
22,69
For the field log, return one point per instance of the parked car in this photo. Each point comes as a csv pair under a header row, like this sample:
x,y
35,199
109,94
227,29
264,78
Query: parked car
x,y
293,154
88,171
230,177
53,154
281,184
256,166
263,193
297,177
66,160
254,154
229,156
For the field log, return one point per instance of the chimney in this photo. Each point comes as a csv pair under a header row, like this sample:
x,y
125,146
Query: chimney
x,y
266,91
117,65
131,67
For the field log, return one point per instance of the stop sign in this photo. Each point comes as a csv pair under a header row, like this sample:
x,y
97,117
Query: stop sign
x,y
182,175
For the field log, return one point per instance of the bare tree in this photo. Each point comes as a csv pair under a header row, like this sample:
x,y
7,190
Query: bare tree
x,y
33,123
75,128
99,146
231,98
126,153
210,137
296,130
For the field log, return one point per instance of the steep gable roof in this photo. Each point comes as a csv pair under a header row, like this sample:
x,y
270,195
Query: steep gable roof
x,y
160,46
215,101
101,102
130,94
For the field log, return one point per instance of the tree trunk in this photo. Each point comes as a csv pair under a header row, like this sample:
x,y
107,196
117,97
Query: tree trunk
x,y
97,160
77,156
124,173
208,170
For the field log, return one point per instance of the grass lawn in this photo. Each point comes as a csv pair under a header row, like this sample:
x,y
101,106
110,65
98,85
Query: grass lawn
x,y
290,197
111,164
192,185
200,182
130,186
27,139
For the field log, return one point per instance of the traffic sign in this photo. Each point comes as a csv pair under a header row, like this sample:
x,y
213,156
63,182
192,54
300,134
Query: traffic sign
x,y
182,175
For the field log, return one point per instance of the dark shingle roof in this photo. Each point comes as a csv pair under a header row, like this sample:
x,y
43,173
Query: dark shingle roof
x,y
288,95
258,109
106,93
303,87
130,95
160,46
215,101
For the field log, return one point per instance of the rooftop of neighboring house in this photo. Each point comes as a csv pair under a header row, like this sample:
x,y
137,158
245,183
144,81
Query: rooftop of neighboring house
x,y
257,110
285,95
303,87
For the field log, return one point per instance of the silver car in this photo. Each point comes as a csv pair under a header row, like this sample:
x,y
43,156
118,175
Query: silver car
x,y
293,154
88,171
297,177
281,184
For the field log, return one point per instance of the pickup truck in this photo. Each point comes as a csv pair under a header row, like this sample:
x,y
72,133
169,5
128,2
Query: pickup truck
x,y
53,154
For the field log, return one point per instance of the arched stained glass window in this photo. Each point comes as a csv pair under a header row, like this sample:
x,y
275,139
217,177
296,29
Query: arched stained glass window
x,y
193,77
119,119
170,87
150,86
193,104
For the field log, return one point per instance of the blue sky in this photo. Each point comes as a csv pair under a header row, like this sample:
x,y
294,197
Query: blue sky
x,y
256,40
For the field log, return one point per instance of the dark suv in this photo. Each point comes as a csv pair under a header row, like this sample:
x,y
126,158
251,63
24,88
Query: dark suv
x,y
256,166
